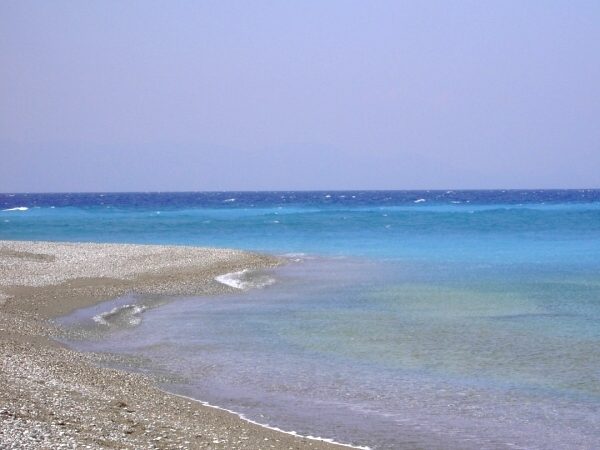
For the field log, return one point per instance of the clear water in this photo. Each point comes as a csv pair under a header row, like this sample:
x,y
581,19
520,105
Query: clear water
x,y
467,320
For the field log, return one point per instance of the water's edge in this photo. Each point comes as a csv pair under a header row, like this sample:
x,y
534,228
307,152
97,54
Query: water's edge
x,y
231,279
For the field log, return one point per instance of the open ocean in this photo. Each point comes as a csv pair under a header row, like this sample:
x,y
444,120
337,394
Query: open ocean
x,y
431,319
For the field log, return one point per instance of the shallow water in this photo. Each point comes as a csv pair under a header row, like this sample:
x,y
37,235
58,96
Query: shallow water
x,y
387,354
467,320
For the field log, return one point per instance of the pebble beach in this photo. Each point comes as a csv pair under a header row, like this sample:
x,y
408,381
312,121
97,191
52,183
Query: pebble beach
x,y
54,397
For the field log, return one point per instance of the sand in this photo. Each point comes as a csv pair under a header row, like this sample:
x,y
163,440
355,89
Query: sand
x,y
54,397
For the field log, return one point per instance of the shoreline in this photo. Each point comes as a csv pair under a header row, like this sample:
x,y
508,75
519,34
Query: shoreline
x,y
55,396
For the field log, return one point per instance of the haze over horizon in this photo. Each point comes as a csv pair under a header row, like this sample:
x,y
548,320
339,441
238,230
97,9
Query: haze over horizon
x,y
182,96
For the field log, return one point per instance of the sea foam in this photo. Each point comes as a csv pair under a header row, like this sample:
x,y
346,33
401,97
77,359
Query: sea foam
x,y
267,426
130,314
18,208
245,279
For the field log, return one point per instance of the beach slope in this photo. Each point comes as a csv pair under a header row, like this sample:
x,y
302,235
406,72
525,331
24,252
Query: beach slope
x,y
53,397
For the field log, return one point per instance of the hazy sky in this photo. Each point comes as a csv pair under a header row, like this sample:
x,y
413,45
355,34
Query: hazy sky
x,y
191,95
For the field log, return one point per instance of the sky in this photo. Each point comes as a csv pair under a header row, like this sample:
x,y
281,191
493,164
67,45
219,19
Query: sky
x,y
298,95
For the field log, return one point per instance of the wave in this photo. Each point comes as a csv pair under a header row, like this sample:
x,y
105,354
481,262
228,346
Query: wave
x,y
267,426
121,315
297,256
18,208
421,200
229,200
245,279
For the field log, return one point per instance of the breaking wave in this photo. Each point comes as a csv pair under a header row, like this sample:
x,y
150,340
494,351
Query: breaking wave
x,y
126,315
245,279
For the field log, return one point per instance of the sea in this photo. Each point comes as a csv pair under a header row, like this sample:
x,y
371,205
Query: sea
x,y
401,319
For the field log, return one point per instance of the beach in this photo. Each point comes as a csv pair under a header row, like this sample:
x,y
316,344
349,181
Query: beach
x,y
404,319
54,397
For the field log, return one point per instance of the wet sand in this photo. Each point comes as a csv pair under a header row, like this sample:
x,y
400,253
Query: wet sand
x,y
54,397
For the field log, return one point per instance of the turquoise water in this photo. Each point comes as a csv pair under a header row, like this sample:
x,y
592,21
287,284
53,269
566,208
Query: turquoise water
x,y
432,319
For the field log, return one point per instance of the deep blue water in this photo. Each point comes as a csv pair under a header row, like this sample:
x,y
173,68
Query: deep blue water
x,y
503,226
465,319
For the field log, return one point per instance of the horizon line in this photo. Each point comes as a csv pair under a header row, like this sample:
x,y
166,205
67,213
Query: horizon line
x,y
295,190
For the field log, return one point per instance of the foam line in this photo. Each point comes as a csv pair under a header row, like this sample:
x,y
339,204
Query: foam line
x,y
267,426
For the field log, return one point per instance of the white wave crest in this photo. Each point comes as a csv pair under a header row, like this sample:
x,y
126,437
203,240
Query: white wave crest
x,y
297,257
229,200
294,255
130,314
421,200
245,279
18,208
